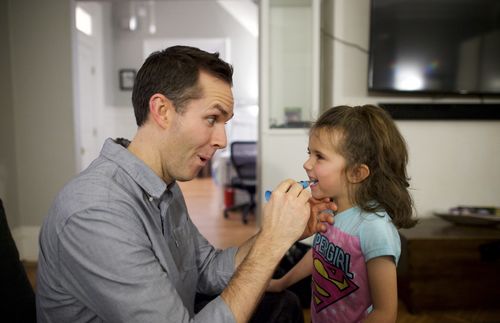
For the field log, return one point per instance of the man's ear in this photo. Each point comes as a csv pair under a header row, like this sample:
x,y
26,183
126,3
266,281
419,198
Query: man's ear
x,y
160,109
359,173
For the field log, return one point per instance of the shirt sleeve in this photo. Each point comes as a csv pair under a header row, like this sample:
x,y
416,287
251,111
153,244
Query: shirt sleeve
x,y
379,237
216,267
106,261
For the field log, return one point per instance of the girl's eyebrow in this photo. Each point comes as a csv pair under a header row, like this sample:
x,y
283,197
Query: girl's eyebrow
x,y
318,152
312,149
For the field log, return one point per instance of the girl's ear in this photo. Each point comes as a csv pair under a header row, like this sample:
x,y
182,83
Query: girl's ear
x,y
160,108
359,173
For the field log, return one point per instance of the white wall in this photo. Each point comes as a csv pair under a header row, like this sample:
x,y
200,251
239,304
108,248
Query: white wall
x,y
186,19
8,178
282,151
174,19
37,109
42,101
450,163
282,154
42,131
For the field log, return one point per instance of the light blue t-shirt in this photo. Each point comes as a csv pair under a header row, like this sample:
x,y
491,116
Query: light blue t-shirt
x,y
340,290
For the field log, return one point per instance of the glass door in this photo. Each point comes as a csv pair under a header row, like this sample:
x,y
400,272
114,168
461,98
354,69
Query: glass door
x,y
290,54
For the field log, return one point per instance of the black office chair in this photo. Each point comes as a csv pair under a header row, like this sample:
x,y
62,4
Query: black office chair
x,y
18,303
244,161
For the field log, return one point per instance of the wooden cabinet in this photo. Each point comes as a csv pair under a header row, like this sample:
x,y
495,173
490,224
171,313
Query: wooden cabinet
x,y
447,266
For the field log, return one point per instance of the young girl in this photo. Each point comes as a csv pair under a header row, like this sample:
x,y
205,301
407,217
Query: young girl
x,y
357,157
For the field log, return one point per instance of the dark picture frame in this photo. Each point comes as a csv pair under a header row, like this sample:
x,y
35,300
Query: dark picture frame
x,y
127,78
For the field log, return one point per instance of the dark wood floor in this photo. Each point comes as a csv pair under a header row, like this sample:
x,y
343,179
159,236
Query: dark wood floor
x,y
205,204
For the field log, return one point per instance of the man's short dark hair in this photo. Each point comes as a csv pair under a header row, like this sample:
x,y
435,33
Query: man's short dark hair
x,y
174,72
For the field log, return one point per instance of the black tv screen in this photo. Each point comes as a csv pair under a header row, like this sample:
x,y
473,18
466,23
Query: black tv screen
x,y
435,46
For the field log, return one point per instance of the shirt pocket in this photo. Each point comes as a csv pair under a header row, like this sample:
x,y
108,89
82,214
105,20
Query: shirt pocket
x,y
183,249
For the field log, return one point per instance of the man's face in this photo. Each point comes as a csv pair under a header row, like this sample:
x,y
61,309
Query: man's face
x,y
198,131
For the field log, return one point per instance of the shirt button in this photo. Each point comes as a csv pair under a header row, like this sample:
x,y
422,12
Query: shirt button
x,y
150,199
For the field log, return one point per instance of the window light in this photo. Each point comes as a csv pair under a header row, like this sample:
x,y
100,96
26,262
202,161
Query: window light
x,y
83,21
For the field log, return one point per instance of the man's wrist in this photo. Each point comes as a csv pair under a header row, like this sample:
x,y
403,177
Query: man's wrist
x,y
269,247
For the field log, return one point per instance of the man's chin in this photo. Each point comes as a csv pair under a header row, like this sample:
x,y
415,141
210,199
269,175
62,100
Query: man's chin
x,y
185,178
188,177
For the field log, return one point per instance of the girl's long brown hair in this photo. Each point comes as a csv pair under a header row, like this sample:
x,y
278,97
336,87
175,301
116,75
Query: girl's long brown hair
x,y
369,136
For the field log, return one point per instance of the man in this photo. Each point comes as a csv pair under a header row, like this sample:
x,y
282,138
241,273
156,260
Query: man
x,y
118,244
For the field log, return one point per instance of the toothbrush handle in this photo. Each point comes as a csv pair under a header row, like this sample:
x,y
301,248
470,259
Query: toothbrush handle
x,y
267,195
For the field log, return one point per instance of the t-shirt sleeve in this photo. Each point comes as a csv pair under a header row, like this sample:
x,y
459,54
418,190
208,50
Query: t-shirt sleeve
x,y
379,237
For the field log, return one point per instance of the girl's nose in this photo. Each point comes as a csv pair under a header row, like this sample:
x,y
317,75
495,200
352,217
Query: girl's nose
x,y
307,164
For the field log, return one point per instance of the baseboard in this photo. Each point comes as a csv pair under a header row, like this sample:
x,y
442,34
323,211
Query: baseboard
x,y
26,238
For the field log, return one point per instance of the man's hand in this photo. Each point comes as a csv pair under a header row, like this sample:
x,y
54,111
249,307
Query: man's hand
x,y
283,221
319,220
286,214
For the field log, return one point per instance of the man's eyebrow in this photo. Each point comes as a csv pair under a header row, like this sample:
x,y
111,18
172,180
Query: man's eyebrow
x,y
224,112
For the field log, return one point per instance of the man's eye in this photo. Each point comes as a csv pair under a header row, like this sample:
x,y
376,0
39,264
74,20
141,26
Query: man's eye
x,y
212,120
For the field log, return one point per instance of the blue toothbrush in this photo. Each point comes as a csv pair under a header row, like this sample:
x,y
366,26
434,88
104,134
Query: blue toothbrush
x,y
305,184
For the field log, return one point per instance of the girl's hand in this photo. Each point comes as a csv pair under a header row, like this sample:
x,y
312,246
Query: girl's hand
x,y
275,286
319,220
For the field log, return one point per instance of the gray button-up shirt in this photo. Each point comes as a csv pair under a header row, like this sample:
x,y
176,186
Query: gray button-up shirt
x,y
118,246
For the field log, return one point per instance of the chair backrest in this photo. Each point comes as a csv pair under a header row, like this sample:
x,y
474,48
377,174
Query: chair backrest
x,y
244,159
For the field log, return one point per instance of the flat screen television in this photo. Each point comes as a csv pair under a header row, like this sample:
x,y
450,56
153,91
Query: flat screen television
x,y
435,46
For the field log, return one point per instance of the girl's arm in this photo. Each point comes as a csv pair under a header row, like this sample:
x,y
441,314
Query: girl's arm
x,y
383,289
301,270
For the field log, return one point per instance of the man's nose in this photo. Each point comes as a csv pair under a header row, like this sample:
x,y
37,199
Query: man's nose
x,y
219,139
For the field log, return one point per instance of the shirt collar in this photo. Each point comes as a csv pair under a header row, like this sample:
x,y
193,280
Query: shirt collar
x,y
142,174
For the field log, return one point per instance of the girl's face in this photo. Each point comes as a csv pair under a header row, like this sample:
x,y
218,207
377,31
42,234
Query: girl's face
x,y
327,167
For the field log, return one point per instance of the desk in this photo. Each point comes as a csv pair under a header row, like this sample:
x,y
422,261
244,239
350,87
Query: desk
x,y
447,266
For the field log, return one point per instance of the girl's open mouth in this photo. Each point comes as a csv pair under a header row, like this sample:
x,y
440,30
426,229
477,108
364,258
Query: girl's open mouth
x,y
313,182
